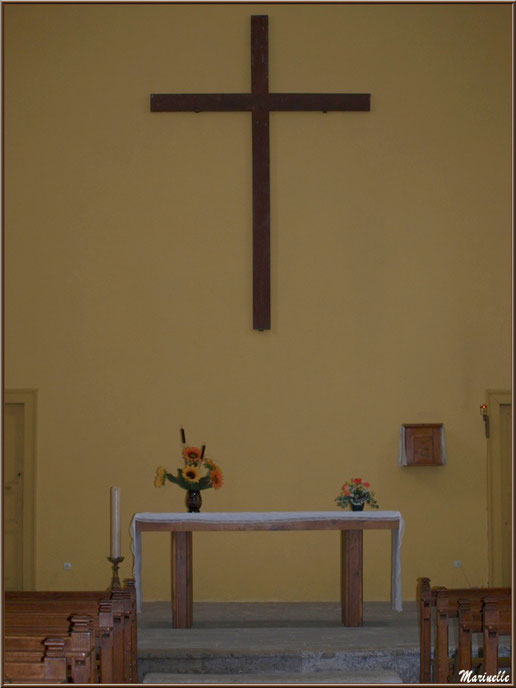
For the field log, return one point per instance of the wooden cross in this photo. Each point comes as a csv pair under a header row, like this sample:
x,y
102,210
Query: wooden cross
x,y
260,103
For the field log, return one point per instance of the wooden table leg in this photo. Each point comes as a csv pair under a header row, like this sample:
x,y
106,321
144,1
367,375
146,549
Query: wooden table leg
x,y
182,588
351,577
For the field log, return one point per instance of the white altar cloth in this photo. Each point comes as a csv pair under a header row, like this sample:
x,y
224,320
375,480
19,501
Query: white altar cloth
x,y
272,517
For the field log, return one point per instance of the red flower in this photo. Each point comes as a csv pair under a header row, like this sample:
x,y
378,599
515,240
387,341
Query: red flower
x,y
366,484
357,481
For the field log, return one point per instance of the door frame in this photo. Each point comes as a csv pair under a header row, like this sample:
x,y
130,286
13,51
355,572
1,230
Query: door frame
x,y
28,398
495,399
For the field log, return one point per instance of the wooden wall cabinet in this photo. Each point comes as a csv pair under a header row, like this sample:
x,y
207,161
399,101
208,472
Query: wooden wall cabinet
x,y
424,444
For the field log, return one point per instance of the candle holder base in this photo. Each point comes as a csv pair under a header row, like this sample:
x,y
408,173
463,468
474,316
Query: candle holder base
x,y
115,580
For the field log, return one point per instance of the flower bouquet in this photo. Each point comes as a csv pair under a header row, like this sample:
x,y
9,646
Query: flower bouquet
x,y
199,473
354,494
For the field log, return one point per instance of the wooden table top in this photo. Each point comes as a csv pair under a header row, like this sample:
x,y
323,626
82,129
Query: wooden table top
x,y
286,520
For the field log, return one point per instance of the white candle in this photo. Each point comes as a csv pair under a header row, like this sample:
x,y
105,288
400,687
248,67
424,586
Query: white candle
x,y
115,522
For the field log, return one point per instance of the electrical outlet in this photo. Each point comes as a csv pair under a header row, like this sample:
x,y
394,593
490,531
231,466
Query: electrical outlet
x,y
67,565
457,563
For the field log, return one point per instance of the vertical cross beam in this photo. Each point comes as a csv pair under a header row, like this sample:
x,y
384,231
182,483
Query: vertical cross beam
x,y
261,176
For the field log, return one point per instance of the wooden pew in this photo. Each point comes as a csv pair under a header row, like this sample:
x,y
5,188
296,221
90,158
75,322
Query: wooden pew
x,y
497,621
130,588
491,617
447,607
47,615
425,601
50,668
36,659
444,603
127,597
116,630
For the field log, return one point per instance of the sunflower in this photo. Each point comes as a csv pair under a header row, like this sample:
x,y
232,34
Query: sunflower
x,y
212,465
191,473
216,478
192,455
159,480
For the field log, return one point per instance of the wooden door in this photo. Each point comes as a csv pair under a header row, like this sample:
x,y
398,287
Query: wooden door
x,y
500,488
18,490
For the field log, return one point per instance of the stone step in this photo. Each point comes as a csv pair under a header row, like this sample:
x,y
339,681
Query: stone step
x,y
198,663
275,678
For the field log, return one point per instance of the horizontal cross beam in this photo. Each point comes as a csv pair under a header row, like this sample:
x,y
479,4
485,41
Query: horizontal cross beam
x,y
249,102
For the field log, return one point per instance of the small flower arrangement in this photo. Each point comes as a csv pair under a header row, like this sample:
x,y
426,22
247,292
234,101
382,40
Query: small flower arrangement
x,y
355,493
198,473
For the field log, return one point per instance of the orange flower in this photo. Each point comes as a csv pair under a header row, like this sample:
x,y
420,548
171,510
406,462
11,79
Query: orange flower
x,y
216,479
211,464
192,454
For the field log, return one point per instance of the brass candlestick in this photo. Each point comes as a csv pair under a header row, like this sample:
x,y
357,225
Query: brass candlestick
x,y
115,580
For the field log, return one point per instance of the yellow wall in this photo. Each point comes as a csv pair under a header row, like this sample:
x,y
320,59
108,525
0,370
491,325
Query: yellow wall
x,y
128,280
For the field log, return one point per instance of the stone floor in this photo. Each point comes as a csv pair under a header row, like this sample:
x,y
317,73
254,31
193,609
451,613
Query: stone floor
x,y
278,643
314,678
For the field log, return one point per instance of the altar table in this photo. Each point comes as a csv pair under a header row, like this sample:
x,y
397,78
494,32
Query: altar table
x,y
350,523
